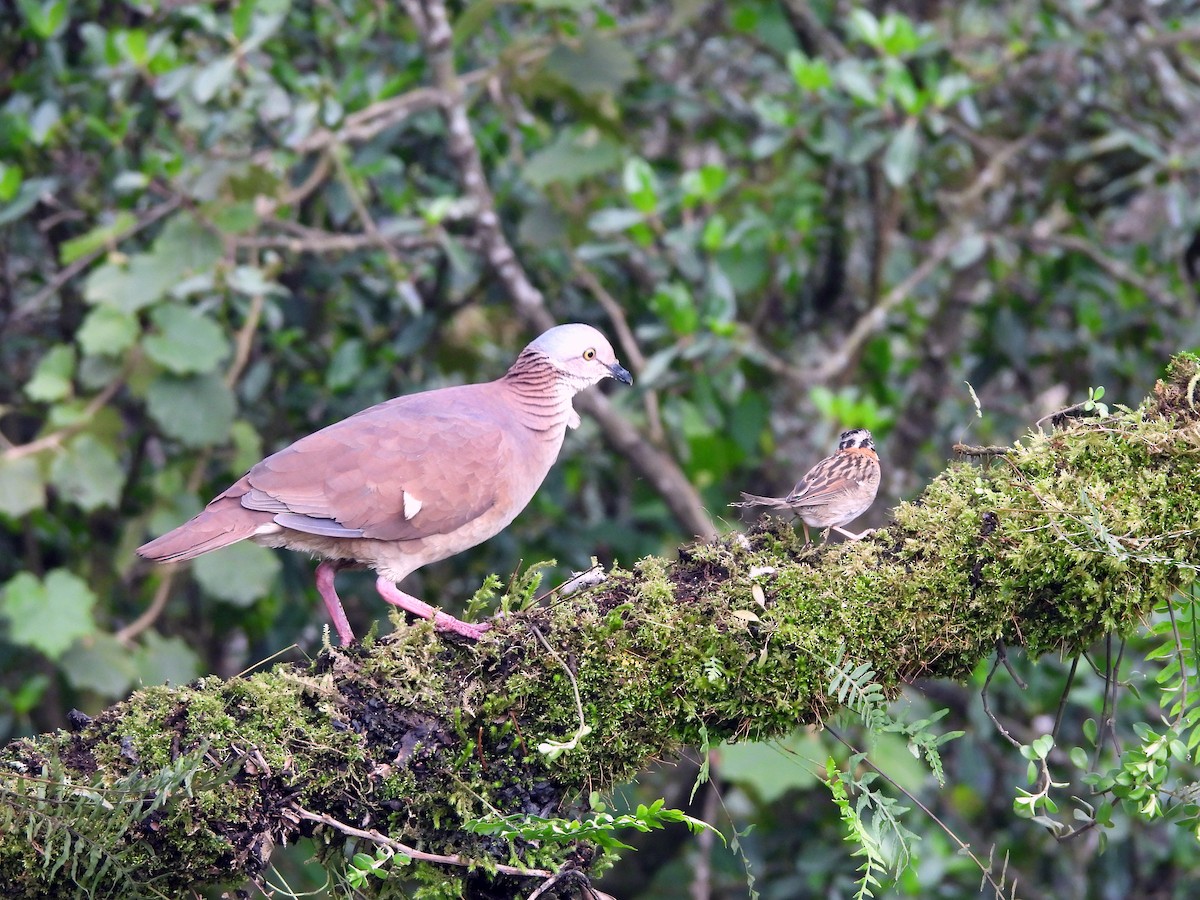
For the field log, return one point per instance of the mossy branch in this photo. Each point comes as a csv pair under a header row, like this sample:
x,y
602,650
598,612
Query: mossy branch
x,y
1066,536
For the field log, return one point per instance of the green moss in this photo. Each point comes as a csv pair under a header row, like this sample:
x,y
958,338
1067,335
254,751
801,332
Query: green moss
x,y
1048,547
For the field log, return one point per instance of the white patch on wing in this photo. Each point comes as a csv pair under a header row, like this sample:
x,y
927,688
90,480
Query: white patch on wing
x,y
268,528
412,505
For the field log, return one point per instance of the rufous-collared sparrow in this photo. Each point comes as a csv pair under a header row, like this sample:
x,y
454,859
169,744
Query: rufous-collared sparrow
x,y
836,491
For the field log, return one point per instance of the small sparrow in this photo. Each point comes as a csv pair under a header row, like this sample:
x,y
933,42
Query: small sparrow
x,y
836,491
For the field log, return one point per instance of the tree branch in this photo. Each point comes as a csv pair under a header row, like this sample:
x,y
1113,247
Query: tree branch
x,y
1076,533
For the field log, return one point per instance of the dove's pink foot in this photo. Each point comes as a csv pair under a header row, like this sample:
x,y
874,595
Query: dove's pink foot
x,y
325,572
441,621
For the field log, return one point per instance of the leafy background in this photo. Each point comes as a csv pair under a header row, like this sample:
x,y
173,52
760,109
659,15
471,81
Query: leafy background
x,y
224,226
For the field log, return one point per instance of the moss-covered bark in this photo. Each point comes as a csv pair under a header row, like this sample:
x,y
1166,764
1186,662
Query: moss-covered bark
x,y
1046,547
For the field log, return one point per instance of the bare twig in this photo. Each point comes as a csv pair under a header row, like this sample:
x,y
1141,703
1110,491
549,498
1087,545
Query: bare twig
x,y
378,837
56,439
629,344
312,240
987,708
990,451
843,356
1159,293
361,210
66,273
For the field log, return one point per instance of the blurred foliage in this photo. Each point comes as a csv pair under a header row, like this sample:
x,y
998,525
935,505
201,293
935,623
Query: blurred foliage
x,y
224,226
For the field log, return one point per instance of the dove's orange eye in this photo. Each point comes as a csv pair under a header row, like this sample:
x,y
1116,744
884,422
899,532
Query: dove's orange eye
x,y
589,353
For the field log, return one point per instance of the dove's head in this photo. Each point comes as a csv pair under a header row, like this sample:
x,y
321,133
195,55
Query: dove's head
x,y
580,354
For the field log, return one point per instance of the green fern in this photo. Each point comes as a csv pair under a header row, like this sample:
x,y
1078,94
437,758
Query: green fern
x,y
857,832
600,827
855,688
82,830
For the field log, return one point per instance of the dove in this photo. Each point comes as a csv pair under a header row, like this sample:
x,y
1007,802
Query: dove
x,y
835,491
410,481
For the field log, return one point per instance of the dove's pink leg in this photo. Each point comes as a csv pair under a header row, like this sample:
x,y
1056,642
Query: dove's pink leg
x,y
441,621
325,572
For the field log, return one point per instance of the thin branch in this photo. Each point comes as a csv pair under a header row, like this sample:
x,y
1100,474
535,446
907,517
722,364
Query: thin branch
x,y
629,344
1116,269
843,356
987,707
65,274
311,240
361,210
570,675
56,439
1062,701
378,837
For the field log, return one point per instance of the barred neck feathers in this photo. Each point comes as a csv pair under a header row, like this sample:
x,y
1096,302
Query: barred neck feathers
x,y
541,393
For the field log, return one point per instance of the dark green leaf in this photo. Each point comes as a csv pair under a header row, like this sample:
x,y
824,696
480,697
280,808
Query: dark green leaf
x,y
22,488
573,156
107,331
241,574
48,615
900,158
52,378
186,341
196,410
86,472
595,63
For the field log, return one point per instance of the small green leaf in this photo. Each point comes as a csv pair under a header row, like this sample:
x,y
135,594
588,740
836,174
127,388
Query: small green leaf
x,y
855,80
195,409
165,660
86,472
574,155
593,64
10,181
22,489
141,281
51,378
27,198
102,664
900,158
641,185
107,332
252,281
809,74
968,250
211,79
186,341
188,246
607,221
241,574
46,19
48,615
98,238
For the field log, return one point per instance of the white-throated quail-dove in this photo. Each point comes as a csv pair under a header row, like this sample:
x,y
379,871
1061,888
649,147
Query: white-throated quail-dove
x,y
412,480
835,491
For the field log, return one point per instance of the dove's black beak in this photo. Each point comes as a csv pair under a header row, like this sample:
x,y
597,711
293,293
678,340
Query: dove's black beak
x,y
620,373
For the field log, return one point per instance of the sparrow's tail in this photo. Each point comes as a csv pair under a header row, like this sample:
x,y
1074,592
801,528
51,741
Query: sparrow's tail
x,y
769,502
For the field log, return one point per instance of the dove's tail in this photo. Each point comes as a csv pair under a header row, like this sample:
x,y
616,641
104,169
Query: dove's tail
x,y
223,522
